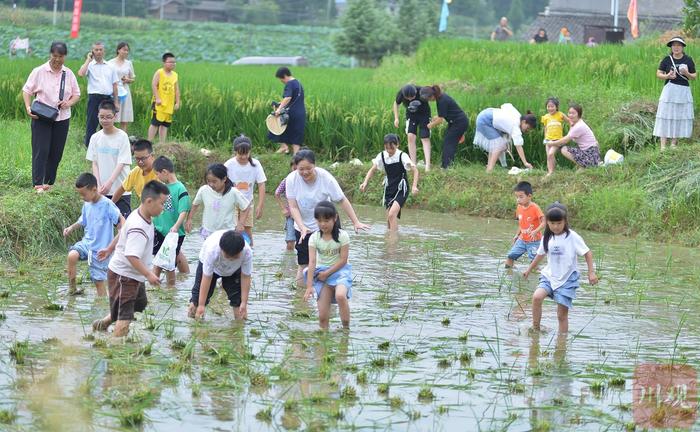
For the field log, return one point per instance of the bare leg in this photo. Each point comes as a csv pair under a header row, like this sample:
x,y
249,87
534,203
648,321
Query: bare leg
x,y
567,154
300,276
163,135
509,263
237,314
426,152
392,216
551,159
152,131
72,263
170,277
101,290
290,245
124,126
182,264
563,317
296,148
156,271
341,297
662,141
493,158
284,148
412,148
674,142
537,300
121,328
324,306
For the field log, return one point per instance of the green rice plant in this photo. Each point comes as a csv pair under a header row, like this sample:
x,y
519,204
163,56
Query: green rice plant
x,y
425,394
348,393
134,417
7,416
19,351
264,415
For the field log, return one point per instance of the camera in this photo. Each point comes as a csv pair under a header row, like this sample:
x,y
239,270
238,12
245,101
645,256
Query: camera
x,y
413,106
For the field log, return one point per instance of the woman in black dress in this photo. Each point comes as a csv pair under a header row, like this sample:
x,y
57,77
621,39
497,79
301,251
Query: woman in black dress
x,y
450,112
293,101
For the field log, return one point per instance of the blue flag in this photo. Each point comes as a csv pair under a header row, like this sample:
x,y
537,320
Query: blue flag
x,y
443,16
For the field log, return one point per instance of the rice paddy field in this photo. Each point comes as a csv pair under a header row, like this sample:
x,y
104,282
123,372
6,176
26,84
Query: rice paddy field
x,y
439,340
349,110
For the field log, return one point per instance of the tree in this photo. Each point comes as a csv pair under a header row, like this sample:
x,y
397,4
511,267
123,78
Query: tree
x,y
515,14
368,33
253,11
691,17
415,23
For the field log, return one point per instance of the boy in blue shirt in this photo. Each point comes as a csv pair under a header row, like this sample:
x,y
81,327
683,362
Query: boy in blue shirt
x,y
98,218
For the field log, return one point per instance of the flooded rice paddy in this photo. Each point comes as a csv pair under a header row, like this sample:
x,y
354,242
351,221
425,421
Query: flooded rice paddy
x,y
439,340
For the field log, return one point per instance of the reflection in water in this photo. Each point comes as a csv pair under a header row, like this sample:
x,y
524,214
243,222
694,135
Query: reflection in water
x,y
431,307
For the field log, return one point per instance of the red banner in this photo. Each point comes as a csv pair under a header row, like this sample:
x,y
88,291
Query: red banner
x,y
75,24
632,17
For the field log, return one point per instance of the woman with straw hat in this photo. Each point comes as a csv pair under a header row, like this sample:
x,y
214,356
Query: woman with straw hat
x,y
293,103
674,116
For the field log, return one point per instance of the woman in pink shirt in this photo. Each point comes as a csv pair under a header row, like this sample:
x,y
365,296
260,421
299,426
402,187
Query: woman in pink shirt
x,y
586,153
54,85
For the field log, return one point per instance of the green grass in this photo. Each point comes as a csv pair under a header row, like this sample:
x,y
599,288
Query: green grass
x,y
349,111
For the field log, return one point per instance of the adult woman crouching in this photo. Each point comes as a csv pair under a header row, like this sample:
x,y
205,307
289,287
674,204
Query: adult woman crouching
x,y
674,116
448,111
53,85
306,187
496,127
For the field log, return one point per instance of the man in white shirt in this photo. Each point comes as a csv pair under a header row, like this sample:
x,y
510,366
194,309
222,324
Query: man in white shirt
x,y
102,84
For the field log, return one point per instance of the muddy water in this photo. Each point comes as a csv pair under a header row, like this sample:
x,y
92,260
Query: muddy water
x,y
437,293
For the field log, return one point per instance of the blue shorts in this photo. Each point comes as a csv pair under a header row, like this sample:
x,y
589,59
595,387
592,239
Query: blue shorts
x,y
484,124
565,294
521,246
289,230
97,268
341,277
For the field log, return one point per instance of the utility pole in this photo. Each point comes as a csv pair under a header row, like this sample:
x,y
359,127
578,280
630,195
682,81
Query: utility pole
x,y
614,7
162,3
55,11
123,8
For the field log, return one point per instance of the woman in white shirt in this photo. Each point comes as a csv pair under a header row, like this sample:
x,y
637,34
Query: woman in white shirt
x,y
496,127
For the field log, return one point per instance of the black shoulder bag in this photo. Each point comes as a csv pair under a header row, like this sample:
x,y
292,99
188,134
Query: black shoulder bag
x,y
47,112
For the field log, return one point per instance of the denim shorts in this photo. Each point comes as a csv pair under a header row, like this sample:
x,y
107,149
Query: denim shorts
x,y
341,277
521,246
289,230
97,268
565,294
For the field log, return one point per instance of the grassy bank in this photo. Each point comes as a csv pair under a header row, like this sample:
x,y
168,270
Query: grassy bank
x,y
651,195
349,111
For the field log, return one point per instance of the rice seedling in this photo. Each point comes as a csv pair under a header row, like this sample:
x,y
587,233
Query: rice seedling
x,y
264,415
19,351
425,394
383,389
132,417
348,393
395,402
361,377
7,416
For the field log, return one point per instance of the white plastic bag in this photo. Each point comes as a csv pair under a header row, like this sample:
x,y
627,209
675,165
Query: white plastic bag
x,y
613,158
165,258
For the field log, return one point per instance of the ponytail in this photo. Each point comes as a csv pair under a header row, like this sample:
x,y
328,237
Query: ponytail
x,y
428,92
219,171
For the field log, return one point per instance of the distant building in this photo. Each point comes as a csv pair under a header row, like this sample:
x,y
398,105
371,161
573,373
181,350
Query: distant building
x,y
181,10
592,18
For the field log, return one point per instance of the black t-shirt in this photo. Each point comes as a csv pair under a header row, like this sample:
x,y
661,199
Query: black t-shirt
x,y
666,65
449,110
423,109
540,39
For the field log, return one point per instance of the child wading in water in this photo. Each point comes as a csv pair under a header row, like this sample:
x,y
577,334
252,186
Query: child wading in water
x,y
395,164
553,123
245,172
530,225
221,202
281,198
98,217
130,266
331,274
559,279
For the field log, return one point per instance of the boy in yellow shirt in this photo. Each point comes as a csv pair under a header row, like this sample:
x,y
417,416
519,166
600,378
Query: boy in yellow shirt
x,y
553,123
141,174
166,98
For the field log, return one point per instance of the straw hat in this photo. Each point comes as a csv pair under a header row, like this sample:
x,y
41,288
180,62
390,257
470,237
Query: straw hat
x,y
676,39
275,125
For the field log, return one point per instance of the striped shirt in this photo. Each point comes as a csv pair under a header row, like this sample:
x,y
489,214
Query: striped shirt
x,y
135,240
